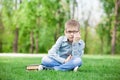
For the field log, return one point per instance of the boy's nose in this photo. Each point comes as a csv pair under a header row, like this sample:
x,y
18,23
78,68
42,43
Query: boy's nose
x,y
71,33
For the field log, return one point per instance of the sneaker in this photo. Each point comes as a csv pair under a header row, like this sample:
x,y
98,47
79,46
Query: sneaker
x,y
33,67
40,67
75,69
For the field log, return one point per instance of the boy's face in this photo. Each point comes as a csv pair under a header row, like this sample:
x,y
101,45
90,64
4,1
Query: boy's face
x,y
70,32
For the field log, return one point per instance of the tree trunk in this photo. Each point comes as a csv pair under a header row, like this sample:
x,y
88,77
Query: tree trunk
x,y
102,42
86,35
37,46
15,43
37,36
74,5
113,42
1,33
20,1
31,42
57,32
86,31
0,46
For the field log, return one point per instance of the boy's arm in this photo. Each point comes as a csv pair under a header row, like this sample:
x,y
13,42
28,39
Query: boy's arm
x,y
77,45
53,51
78,48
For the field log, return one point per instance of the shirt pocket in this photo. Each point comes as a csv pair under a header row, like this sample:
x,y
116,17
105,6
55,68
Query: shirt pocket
x,y
65,47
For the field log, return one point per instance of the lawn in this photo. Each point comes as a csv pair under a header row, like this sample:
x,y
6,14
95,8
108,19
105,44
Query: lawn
x,y
93,68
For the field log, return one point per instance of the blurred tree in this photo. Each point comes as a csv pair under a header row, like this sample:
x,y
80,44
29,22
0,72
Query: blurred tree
x,y
111,23
116,24
1,30
104,29
16,31
87,13
31,24
7,13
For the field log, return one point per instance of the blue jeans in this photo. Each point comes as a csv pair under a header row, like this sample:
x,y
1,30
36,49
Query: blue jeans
x,y
70,65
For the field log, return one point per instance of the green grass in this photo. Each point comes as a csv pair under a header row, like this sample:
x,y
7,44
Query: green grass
x,y
93,68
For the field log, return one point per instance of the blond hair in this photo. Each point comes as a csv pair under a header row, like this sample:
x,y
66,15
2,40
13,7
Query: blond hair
x,y
72,23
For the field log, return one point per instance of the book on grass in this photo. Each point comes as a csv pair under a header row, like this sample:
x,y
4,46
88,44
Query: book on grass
x,y
32,67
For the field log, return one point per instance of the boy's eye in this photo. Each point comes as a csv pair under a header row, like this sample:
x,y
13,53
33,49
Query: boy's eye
x,y
71,31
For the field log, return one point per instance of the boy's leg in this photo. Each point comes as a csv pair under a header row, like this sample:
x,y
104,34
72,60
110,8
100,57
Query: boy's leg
x,y
46,63
74,62
49,62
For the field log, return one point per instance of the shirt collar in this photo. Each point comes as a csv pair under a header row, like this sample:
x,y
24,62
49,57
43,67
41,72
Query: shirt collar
x,y
65,38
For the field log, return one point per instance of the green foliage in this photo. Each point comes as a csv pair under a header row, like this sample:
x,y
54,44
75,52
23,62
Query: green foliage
x,y
109,6
105,28
105,38
43,18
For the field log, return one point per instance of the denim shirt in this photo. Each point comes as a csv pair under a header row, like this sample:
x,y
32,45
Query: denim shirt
x,y
62,49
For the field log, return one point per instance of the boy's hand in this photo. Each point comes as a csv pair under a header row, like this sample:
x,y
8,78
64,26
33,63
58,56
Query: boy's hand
x,y
68,58
76,37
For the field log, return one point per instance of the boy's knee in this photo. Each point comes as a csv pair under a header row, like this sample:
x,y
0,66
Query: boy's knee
x,y
45,59
77,61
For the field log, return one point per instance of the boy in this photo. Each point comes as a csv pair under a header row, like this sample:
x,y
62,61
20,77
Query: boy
x,y
66,53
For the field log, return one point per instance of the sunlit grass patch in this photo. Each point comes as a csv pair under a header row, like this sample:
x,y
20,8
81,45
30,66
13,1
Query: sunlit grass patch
x,y
94,68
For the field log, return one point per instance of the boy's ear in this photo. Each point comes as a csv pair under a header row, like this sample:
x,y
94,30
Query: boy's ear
x,y
64,31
